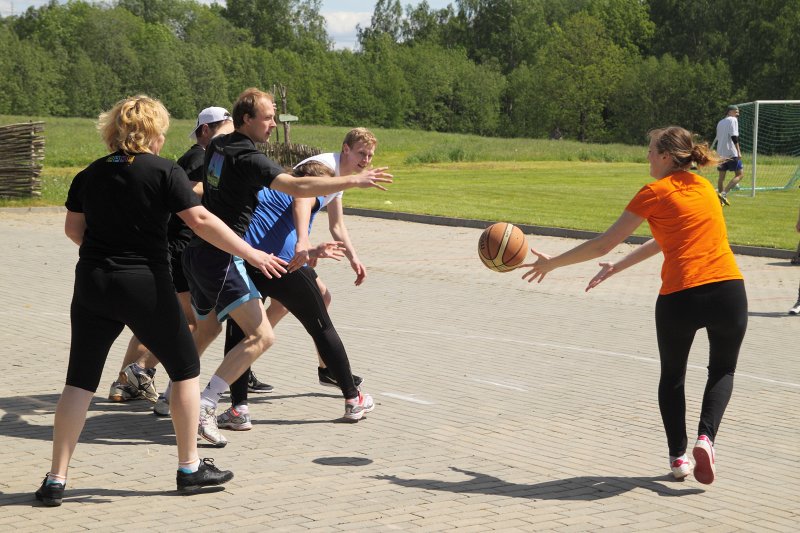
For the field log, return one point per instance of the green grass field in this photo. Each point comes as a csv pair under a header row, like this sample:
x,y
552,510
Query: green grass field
x,y
547,183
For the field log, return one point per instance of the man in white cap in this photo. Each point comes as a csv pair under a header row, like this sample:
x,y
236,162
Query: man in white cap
x,y
136,378
728,148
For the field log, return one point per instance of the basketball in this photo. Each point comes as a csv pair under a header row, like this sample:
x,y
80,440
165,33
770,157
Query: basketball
x,y
502,247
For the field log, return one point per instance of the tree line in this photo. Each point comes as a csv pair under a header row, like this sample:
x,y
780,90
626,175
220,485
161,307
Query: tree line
x,y
591,70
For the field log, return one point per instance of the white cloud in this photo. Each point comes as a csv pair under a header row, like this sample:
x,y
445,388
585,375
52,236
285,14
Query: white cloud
x,y
341,26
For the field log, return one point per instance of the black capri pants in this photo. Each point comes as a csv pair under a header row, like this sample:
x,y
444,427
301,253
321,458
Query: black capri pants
x,y
720,308
107,298
299,293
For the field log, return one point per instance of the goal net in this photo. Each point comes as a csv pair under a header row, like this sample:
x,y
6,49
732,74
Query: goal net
x,y
769,136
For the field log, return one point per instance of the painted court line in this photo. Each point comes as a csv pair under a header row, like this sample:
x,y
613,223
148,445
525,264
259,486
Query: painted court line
x,y
502,385
406,398
573,348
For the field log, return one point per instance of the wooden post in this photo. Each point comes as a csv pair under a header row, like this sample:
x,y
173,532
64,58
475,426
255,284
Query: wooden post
x,y
286,125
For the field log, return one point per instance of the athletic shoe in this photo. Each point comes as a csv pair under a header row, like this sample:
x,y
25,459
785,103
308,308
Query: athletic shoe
x,y
142,379
161,408
327,379
50,494
236,418
795,310
253,385
122,392
208,429
723,198
355,409
703,453
681,467
207,475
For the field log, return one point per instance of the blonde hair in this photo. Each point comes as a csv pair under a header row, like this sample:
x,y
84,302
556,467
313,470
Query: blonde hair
x,y
683,147
133,124
360,135
246,104
312,168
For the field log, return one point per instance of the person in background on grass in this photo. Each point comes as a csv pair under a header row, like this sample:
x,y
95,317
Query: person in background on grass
x,y
701,286
358,149
117,213
273,231
236,171
728,149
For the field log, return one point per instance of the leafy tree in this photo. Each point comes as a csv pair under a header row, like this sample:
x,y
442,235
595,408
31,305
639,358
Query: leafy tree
x,y
387,20
275,24
580,68
660,92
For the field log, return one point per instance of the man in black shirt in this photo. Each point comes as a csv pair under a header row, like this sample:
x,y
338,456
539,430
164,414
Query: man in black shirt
x,y
235,172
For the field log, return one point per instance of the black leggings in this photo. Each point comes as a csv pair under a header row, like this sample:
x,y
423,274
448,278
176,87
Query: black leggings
x,y
299,293
105,300
721,308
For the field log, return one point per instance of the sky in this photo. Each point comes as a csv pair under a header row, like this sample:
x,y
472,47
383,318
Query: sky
x,y
342,15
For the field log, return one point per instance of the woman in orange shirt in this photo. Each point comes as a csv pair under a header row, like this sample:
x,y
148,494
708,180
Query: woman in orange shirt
x,y
701,286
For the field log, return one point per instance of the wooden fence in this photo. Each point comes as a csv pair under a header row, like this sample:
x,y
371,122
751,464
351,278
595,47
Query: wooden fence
x,y
21,155
288,155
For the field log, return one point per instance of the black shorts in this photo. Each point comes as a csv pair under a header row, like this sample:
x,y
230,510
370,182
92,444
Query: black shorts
x,y
176,267
105,300
217,281
732,165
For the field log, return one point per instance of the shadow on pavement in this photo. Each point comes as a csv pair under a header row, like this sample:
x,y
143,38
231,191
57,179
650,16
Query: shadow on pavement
x,y
586,488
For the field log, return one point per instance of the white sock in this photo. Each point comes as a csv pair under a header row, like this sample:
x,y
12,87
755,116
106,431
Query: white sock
x,y
242,409
189,467
211,394
52,478
168,390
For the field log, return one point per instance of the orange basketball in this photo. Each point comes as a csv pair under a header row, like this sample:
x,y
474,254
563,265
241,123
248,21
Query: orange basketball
x,y
502,247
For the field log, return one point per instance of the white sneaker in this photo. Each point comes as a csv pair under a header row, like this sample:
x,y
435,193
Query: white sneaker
x,y
795,310
161,408
207,428
355,409
703,453
680,466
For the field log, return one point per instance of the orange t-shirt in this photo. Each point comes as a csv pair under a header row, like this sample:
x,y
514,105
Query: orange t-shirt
x,y
685,218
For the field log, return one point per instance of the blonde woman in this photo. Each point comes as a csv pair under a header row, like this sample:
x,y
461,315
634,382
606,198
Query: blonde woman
x,y
117,212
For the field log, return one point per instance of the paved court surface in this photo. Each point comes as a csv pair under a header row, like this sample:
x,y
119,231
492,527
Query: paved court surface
x,y
500,405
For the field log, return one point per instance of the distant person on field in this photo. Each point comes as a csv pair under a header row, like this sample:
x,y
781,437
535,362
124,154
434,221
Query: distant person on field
x,y
728,148
701,286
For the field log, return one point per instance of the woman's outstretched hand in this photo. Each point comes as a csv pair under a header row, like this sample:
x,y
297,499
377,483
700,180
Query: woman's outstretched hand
x,y
606,271
539,269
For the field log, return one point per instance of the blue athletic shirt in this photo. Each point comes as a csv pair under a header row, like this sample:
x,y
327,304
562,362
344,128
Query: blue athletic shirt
x,y
272,228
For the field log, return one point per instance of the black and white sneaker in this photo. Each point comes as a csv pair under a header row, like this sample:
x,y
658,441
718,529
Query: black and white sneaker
x,y
795,310
253,385
327,379
50,494
206,476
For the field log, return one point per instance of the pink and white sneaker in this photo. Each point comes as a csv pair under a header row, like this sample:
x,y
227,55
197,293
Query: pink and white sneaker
x,y
703,454
680,466
356,408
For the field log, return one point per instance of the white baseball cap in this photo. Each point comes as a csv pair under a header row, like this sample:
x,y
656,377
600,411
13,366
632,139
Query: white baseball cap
x,y
209,115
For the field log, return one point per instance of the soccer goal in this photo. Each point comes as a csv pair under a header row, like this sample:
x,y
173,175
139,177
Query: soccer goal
x,y
769,136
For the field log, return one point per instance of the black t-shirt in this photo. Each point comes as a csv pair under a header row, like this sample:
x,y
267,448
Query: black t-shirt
x,y
235,170
178,233
126,200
